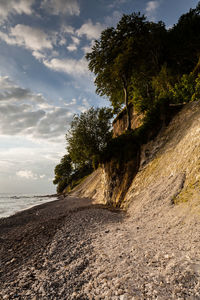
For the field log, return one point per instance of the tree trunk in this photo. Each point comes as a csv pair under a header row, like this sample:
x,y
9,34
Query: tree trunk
x,y
127,108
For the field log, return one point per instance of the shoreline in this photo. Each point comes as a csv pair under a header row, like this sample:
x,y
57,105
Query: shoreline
x,y
56,196
74,249
29,231
30,239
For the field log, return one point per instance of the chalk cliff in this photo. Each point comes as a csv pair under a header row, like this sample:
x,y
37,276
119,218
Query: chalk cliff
x,y
169,168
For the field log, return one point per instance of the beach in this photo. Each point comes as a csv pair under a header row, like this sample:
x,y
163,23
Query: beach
x,y
74,249
25,239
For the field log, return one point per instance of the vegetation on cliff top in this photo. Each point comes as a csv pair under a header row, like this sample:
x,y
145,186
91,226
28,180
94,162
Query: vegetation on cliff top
x,y
140,62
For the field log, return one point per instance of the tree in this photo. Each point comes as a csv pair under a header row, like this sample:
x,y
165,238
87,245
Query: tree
x,y
89,134
87,137
183,42
131,50
63,172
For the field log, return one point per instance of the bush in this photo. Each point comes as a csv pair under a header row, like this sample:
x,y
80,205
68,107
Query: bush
x,y
184,89
196,95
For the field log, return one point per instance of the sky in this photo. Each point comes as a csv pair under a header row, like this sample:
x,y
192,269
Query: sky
x,y
44,78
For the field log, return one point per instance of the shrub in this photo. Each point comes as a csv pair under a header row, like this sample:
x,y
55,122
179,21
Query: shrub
x,y
184,89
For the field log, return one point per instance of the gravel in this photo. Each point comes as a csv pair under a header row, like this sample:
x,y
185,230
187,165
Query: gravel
x,y
73,249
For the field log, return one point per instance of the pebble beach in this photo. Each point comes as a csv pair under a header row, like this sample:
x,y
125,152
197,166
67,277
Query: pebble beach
x,y
73,249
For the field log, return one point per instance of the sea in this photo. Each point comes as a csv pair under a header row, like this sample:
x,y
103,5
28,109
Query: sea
x,y
11,204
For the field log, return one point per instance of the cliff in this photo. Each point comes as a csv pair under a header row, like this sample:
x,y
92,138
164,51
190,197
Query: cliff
x,y
73,249
169,167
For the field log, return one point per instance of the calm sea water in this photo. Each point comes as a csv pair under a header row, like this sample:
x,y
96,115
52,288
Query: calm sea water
x,y
10,204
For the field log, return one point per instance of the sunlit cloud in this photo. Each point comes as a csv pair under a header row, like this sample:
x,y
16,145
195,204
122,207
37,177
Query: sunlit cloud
x,y
90,30
30,38
15,7
70,66
75,40
26,174
72,47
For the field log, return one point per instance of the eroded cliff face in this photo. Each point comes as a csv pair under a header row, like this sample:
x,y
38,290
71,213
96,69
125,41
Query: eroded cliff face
x,y
92,187
168,170
170,165
117,179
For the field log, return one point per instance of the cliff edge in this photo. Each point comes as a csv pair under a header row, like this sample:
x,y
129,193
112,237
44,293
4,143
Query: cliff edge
x,y
169,167
154,252
73,249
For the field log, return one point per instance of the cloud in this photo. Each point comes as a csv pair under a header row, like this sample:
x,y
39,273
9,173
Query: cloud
x,y
24,113
90,30
73,102
72,47
22,160
62,41
17,119
67,29
15,7
38,55
113,19
75,40
26,174
31,38
9,91
54,123
56,7
38,124
151,8
88,48
117,3
70,66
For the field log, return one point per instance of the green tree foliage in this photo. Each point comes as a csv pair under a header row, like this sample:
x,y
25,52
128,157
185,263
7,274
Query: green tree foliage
x,y
196,95
163,83
183,43
88,135
125,58
63,172
184,89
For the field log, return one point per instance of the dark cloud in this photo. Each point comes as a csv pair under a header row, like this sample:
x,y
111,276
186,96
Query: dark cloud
x,y
25,113
17,119
54,123
11,92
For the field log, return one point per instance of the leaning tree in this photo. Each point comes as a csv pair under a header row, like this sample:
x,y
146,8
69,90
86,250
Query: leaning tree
x,y
129,53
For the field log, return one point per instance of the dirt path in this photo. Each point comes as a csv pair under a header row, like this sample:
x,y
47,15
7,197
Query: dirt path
x,y
71,249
